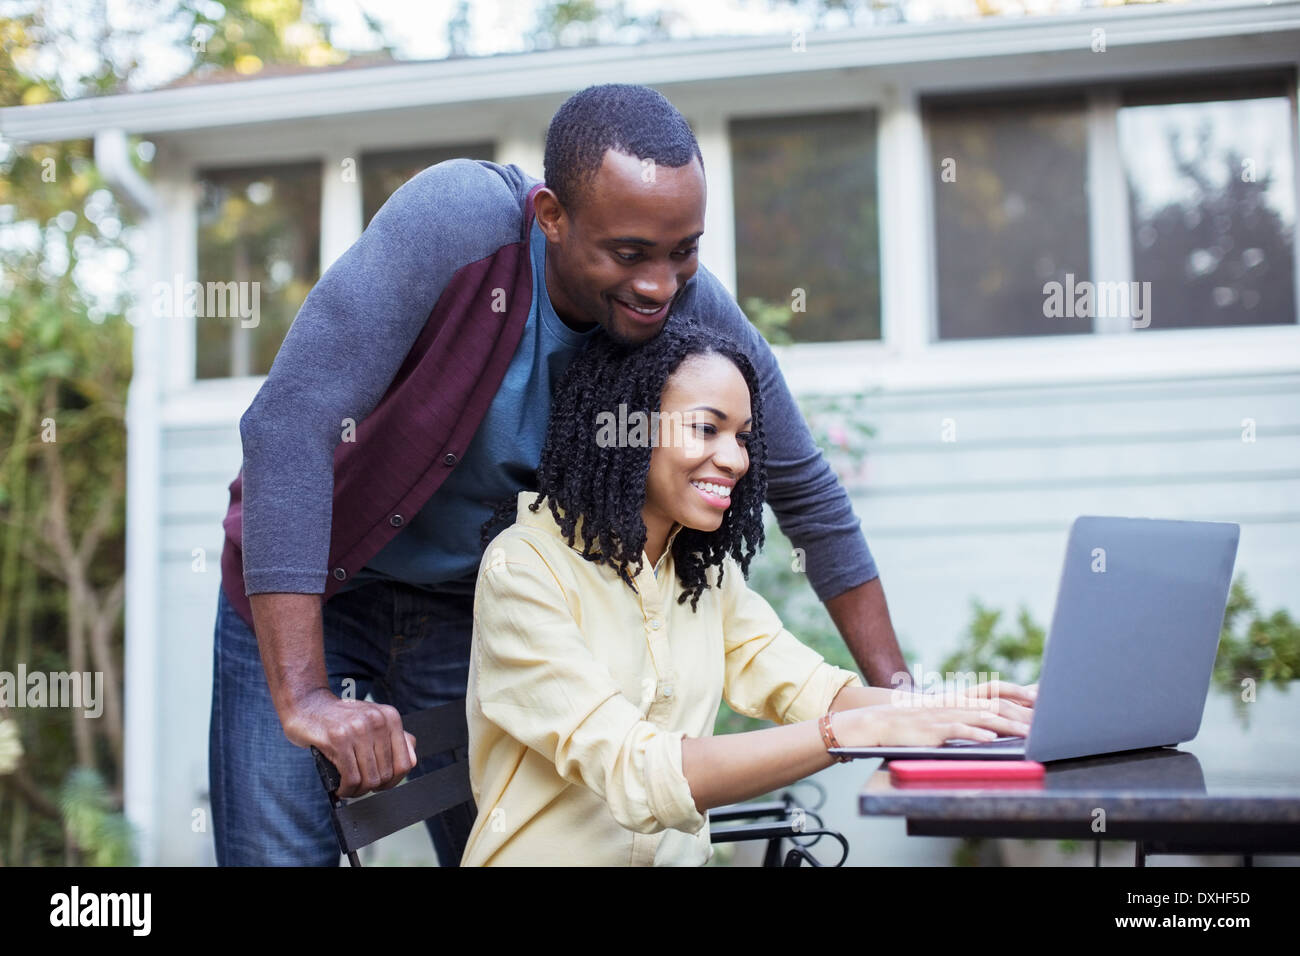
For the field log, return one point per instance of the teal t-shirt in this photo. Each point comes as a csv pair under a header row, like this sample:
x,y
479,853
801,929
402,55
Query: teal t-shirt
x,y
440,546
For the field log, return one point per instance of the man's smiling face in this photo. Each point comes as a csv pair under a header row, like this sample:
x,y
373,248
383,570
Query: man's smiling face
x,y
632,244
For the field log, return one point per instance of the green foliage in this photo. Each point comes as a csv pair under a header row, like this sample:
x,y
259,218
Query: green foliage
x,y
841,433
1252,647
65,364
250,34
102,836
771,320
1014,654
65,361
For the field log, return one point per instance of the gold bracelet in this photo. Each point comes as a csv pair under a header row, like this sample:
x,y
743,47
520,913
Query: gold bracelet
x,y
828,737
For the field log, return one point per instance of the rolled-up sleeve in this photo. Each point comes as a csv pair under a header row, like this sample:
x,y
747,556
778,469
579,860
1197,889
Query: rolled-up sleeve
x,y
539,682
770,673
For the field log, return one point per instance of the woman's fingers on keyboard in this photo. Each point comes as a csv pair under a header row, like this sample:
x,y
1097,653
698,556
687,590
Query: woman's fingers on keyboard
x,y
975,723
1005,706
1011,725
1005,690
960,731
1012,710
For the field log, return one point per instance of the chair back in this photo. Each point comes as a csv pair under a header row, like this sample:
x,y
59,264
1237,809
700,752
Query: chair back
x,y
363,820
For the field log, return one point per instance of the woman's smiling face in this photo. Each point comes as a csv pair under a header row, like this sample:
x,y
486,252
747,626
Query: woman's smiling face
x,y
704,428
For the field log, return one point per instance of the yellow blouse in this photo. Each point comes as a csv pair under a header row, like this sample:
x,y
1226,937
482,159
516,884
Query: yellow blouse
x,y
581,690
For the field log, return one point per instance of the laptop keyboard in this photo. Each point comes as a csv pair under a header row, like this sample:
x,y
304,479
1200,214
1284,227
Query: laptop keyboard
x,y
995,742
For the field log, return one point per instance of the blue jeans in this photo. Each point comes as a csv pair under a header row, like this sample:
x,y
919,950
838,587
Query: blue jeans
x,y
405,646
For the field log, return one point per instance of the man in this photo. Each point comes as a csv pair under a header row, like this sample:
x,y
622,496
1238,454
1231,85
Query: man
x,y
411,392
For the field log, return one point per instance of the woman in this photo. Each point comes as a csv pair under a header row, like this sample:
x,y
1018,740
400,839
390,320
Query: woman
x,y
609,626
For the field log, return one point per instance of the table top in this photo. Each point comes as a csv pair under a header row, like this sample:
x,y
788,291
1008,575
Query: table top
x,y
1164,784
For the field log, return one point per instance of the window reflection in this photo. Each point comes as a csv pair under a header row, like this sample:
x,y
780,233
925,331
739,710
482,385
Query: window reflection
x,y
258,228
1212,205
806,218
1010,215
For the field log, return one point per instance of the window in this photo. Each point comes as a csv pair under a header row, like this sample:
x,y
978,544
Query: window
x,y
1010,214
1212,205
807,240
1198,181
383,173
258,257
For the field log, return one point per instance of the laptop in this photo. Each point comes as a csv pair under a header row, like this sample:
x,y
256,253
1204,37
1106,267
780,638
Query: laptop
x,y
1131,648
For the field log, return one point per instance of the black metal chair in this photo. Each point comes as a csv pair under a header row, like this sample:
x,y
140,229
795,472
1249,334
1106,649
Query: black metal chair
x,y
360,821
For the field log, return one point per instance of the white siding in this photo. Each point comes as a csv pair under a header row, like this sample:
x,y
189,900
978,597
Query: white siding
x,y
198,465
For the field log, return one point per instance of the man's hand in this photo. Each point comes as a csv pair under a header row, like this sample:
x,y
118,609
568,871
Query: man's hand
x,y
364,740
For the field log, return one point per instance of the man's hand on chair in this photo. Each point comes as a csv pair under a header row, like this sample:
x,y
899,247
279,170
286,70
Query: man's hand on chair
x,y
364,740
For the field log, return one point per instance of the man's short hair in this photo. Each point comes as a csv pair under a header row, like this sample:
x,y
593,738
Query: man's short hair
x,y
631,119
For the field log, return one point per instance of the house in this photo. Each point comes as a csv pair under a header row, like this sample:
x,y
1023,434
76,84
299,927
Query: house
x,y
1055,256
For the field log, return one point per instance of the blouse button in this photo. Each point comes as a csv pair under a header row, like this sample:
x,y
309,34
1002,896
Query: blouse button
x,y
656,624
668,690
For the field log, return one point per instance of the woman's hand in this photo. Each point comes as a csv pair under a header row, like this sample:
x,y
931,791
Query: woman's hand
x,y
930,722
1024,694
1013,701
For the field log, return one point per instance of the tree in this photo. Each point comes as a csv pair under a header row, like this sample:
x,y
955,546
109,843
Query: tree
x,y
64,370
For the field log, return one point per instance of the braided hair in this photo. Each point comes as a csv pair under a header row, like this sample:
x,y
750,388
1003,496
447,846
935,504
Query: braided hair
x,y
605,484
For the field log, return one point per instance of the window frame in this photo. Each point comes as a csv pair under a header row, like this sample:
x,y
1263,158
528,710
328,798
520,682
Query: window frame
x,y
1110,231
226,168
871,112
910,355
1038,95
190,400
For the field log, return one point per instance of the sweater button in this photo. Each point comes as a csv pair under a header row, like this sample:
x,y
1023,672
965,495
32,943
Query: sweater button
x,y
340,573
449,459
395,521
